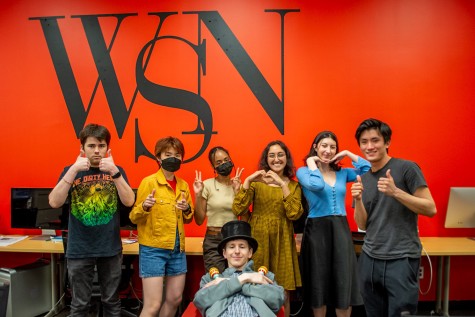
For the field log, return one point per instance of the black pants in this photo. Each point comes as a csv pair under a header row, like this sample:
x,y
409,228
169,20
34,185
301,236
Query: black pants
x,y
389,287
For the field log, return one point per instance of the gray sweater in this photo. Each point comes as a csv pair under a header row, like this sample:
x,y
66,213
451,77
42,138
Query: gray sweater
x,y
266,299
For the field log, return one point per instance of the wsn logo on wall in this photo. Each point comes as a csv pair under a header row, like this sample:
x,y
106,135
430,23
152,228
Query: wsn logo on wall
x,y
155,92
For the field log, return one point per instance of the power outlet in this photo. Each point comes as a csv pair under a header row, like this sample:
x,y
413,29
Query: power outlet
x,y
421,272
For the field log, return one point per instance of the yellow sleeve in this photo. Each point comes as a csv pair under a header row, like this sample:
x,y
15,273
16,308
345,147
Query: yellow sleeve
x,y
138,214
243,200
293,202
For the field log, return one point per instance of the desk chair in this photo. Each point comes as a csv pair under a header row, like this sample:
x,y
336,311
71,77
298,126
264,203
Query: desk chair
x,y
192,311
96,289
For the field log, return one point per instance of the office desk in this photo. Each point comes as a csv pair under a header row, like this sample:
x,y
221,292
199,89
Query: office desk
x,y
193,246
40,246
444,248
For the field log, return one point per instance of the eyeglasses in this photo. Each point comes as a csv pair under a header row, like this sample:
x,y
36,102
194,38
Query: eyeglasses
x,y
273,155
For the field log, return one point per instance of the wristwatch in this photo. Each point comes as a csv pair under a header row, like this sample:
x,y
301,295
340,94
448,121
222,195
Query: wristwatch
x,y
116,175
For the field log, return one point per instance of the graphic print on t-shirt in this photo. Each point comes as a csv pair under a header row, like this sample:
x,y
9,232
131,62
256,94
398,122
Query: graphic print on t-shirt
x,y
94,201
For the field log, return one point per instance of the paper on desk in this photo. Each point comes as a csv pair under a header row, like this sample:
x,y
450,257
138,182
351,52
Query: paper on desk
x,y
128,240
8,240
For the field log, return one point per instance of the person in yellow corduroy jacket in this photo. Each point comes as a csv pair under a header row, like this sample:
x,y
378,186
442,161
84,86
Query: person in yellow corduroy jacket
x,y
162,207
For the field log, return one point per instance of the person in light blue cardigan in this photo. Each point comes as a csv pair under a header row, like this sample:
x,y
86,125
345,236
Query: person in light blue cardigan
x,y
327,252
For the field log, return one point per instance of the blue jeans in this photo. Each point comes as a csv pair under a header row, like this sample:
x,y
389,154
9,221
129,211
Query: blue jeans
x,y
81,275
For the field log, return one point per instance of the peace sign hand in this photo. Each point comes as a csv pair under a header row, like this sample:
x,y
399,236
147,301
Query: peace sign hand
x,y
198,185
236,180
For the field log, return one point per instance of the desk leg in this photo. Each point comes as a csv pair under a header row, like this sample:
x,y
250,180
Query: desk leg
x,y
446,286
438,299
54,281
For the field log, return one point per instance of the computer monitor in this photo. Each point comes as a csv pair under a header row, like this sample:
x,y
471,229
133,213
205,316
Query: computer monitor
x,y
461,208
125,223
30,209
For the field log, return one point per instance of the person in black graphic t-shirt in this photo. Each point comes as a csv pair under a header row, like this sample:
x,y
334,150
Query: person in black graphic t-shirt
x,y
96,188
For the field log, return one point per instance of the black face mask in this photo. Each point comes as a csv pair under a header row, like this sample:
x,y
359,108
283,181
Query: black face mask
x,y
171,164
225,169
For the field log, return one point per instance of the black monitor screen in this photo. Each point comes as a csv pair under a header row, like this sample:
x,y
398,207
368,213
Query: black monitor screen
x,y
30,209
125,223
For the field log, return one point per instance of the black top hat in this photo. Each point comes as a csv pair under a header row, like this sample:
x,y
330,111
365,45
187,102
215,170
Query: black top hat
x,y
234,230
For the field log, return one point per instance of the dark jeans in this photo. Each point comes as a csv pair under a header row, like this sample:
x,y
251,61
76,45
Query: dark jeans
x,y
389,287
212,257
81,275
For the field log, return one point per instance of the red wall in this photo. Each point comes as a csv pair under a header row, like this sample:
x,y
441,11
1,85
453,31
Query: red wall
x,y
409,63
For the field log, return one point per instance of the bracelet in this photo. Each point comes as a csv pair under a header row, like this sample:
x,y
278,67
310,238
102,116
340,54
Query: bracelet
x,y
188,210
116,175
69,183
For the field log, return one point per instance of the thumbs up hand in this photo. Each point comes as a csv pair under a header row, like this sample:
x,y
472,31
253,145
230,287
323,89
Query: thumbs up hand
x,y
386,184
357,188
107,164
181,203
82,162
149,201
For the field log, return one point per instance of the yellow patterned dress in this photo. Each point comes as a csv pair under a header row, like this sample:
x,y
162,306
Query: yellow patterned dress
x,y
271,226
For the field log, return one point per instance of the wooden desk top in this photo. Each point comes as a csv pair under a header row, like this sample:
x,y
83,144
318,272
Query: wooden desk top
x,y
34,246
434,246
193,246
448,246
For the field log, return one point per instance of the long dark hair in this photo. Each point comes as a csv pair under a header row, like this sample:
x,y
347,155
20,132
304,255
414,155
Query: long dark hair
x,y
289,169
323,135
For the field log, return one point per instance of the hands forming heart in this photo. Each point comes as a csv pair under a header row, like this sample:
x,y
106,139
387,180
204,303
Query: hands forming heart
x,y
269,178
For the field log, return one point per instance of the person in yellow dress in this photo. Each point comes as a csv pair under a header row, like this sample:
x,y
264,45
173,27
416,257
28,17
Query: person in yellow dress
x,y
276,201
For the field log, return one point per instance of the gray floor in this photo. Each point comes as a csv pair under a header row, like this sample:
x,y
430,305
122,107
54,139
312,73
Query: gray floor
x,y
130,309
463,308
456,308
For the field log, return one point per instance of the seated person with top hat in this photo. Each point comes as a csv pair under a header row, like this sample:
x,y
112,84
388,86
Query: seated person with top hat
x,y
239,290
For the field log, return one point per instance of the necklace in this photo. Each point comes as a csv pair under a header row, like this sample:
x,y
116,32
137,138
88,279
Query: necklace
x,y
215,187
